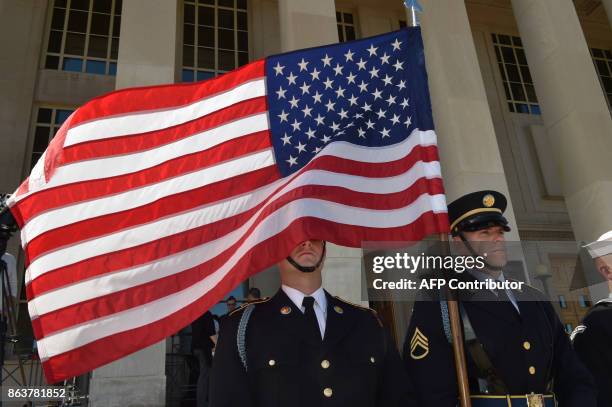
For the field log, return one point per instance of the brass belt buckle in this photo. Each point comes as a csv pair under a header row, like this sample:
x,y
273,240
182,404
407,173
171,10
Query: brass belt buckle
x,y
535,400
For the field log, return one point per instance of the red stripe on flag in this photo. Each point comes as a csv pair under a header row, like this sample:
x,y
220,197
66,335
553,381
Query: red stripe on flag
x,y
153,250
145,141
68,194
65,195
260,257
161,208
120,301
160,97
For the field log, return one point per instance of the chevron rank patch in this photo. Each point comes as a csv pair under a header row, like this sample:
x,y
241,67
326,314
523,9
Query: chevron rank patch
x,y
419,345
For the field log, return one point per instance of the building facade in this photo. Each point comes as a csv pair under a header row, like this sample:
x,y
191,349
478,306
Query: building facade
x,y
521,93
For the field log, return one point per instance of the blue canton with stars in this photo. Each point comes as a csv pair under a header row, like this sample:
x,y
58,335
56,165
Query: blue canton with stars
x,y
371,92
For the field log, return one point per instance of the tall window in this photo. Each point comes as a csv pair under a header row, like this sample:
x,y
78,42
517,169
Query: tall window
x,y
603,62
84,36
562,302
48,122
215,37
518,85
346,26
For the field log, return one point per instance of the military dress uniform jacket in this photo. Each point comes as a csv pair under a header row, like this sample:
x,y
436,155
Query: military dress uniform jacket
x,y
526,349
356,364
593,343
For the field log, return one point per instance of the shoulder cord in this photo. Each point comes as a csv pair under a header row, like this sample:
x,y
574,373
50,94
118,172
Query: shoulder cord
x,y
446,320
241,334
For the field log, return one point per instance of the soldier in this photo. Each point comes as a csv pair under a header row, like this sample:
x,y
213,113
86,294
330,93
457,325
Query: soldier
x,y
515,344
593,338
304,347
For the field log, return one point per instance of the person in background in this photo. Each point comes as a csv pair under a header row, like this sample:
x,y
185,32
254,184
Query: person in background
x,y
593,338
231,304
204,338
254,294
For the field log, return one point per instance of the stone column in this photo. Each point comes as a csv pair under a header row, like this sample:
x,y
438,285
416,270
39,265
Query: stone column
x,y
608,7
469,152
149,44
148,54
22,26
308,24
137,380
574,111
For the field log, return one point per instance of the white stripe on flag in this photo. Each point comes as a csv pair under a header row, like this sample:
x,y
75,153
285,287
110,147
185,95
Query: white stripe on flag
x,y
174,264
130,163
139,235
195,218
79,335
134,198
143,122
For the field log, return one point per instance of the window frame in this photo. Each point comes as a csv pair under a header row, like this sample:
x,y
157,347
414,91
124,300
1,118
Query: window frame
x,y
511,104
28,163
607,58
342,24
110,63
216,70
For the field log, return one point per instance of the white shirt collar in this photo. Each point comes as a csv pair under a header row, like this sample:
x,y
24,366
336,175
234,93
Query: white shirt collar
x,y
296,296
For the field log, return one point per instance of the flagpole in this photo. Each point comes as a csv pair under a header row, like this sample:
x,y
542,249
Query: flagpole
x,y
451,299
457,337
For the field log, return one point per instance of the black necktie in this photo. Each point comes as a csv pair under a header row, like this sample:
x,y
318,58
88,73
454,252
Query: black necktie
x,y
311,318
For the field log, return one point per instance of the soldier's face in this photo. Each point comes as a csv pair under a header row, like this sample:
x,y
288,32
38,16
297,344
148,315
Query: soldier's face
x,y
308,253
604,266
490,241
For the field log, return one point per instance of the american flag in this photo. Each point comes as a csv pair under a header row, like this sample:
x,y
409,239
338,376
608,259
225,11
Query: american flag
x,y
152,203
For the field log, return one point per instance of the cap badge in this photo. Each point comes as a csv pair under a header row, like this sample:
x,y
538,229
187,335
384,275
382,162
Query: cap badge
x,y
488,200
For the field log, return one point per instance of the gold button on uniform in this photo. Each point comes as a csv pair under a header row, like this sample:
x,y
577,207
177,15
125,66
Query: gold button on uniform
x,y
526,345
272,362
327,392
531,370
325,364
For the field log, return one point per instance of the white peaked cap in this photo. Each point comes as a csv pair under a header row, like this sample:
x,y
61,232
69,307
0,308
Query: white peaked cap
x,y
601,246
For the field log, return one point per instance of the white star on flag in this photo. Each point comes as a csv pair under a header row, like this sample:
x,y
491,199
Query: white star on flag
x,y
315,74
326,61
302,64
279,68
291,78
281,93
286,139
